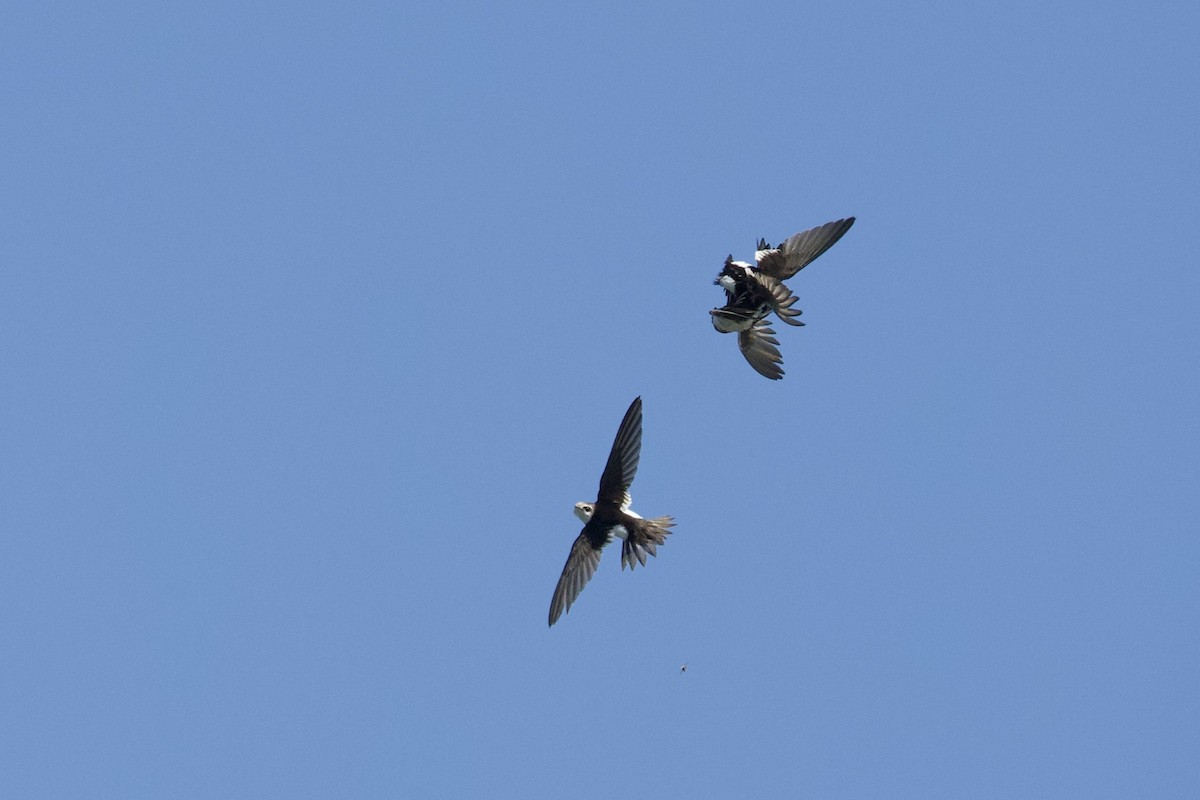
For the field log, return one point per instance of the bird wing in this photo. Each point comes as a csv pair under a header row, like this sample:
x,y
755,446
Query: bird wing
x,y
781,296
800,250
758,345
579,569
623,458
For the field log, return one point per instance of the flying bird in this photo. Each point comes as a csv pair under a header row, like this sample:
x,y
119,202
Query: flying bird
x,y
611,515
752,292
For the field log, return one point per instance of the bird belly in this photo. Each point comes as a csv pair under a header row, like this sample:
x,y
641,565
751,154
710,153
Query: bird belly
x,y
726,324
620,531
735,319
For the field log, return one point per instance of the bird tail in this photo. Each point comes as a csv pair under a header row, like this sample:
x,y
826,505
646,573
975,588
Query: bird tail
x,y
782,299
646,536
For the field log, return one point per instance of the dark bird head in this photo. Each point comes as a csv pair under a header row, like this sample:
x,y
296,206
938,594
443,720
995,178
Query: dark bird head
x,y
725,271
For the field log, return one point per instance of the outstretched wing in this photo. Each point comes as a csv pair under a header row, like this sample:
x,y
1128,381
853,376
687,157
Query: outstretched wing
x,y
579,569
758,345
623,458
801,250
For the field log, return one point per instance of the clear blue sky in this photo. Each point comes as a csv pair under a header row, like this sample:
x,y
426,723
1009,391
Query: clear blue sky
x,y
316,321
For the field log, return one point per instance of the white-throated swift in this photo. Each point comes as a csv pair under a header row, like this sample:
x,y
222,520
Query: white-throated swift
x,y
611,515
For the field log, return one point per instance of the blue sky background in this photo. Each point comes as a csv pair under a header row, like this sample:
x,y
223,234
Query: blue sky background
x,y
316,320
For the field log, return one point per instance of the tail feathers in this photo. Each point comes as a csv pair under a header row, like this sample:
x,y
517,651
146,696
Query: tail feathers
x,y
645,539
782,299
